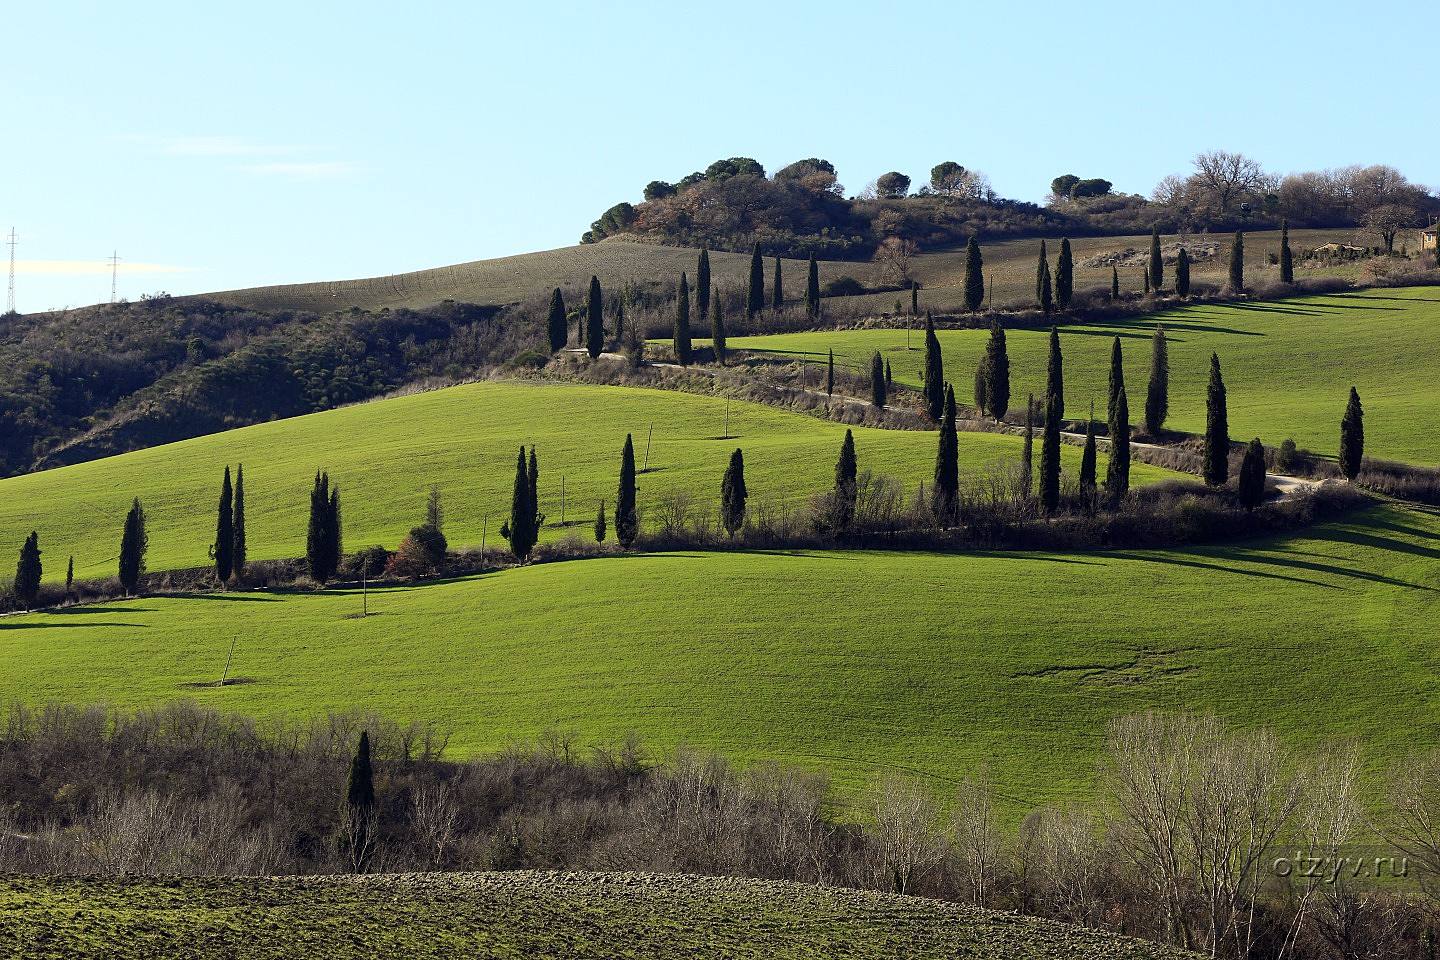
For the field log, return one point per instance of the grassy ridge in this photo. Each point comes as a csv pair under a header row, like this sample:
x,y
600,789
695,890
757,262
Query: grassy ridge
x,y
385,455
850,662
1288,365
522,914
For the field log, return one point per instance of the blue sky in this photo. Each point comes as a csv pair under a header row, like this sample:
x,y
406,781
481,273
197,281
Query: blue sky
x,y
216,146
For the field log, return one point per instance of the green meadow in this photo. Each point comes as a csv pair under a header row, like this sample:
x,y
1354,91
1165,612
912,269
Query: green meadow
x,y
385,455
1288,365
848,662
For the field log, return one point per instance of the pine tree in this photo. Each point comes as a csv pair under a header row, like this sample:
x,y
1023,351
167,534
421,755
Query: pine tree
x,y
1287,260
1043,292
682,323
934,386
1087,458
1157,262
1217,428
522,511
595,319
28,572
846,484
1027,452
1157,393
703,283
755,289
1064,275
718,341
974,276
1352,437
997,373
1050,458
877,380
812,290
627,519
1182,273
1055,375
1237,263
982,387
318,533
733,494
945,492
1114,284
239,553
1117,473
558,323
600,523
777,291
223,550
1250,484
830,375
133,543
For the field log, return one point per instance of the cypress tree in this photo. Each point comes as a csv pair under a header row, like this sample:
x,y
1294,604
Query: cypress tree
x,y
945,492
1352,437
360,787
877,380
627,520
682,323
600,523
934,386
1117,473
777,292
846,485
620,319
1064,275
1237,263
595,319
28,572
1250,484
239,552
1217,428
536,517
1043,293
335,539
133,543
1157,262
889,379
982,386
1157,393
830,375
733,494
1287,261
223,550
717,328
1027,454
812,290
318,532
1055,375
755,289
1050,457
703,283
558,324
70,576
974,276
1182,273
1114,284
914,299
1117,378
522,511
1087,458
997,373
1145,275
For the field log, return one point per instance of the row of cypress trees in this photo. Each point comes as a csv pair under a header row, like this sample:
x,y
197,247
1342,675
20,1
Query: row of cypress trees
x,y
29,570
324,542
229,549
557,322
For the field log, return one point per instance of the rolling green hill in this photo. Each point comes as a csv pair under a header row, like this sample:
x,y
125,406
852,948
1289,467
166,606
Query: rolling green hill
x,y
850,662
521,914
1288,365
386,454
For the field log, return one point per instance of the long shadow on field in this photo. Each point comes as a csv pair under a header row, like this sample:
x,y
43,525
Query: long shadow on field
x,y
1171,325
62,626
1404,530
1373,296
81,610
229,597
1329,568
1219,568
1376,542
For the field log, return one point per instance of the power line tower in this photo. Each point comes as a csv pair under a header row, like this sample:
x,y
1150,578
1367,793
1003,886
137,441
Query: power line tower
x,y
114,271
10,302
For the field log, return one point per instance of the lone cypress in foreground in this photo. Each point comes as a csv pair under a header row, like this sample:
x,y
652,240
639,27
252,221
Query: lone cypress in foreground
x,y
1157,392
1287,260
1352,437
28,572
847,469
594,319
974,276
812,290
718,341
934,386
877,380
1237,263
1182,274
1250,485
945,493
240,553
557,325
1064,275
682,323
134,541
997,373
627,521
1217,428
755,289
223,550
522,511
1157,261
733,494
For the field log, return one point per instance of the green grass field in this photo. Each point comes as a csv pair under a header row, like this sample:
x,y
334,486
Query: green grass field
x,y
386,454
1288,365
850,662
520,914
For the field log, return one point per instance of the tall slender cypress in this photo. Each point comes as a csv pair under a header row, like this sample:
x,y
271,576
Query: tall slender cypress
x,y
1114,283
934,386
846,485
1157,392
974,276
812,290
335,532
1064,275
627,519
522,512
997,372
945,492
533,478
223,550
1250,484
682,323
70,576
982,387
1050,457
600,527
889,379
877,380
1055,375
703,283
1352,437
718,341
1237,263
777,289
360,786
1117,473
733,494
830,375
1217,428
558,324
595,319
1287,260
755,289
28,572
1182,273
1044,294
1087,458
1145,276
1117,378
239,552
1027,451
318,532
134,541
914,299
1157,262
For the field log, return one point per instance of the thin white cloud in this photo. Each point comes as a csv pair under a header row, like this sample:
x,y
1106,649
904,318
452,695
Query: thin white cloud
x,y
309,170
78,268
210,146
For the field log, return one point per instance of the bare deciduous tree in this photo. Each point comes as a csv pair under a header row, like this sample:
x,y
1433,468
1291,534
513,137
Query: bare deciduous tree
x,y
907,842
1225,177
894,255
1387,220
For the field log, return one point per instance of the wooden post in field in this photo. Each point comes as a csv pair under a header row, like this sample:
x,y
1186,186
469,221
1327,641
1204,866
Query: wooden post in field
x,y
647,448
226,675
727,418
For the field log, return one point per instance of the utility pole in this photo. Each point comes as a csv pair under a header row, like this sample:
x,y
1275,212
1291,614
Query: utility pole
x,y
114,271
10,304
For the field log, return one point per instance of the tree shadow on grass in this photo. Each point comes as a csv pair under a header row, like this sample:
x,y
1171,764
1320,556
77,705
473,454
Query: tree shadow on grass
x,y
83,609
1171,325
1404,530
230,597
1219,567
62,626
1375,542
